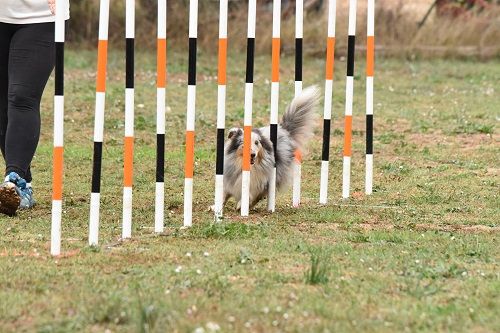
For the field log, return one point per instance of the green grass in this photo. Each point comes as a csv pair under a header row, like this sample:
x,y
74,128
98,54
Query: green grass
x,y
320,267
420,254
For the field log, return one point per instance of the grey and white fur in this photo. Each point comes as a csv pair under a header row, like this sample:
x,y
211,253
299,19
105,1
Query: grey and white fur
x,y
295,129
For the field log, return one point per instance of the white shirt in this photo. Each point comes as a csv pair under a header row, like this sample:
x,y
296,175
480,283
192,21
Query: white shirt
x,y
28,11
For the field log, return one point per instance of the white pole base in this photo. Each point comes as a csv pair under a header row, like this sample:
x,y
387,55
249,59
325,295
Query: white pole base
x,y
346,177
127,213
297,171
94,219
369,174
55,233
159,206
245,193
323,189
271,195
219,197
188,202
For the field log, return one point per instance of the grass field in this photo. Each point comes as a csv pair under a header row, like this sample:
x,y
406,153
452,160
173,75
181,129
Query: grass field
x,y
417,255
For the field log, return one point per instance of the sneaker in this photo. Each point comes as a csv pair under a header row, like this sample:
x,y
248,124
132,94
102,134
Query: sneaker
x,y
27,199
15,193
9,198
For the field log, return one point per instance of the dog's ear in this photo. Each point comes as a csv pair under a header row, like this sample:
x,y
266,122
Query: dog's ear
x,y
234,131
266,143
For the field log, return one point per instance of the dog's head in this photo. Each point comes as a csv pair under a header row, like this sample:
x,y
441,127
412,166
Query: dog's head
x,y
259,145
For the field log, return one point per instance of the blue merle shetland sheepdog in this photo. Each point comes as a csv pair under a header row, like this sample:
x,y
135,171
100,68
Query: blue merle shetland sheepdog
x,y
295,129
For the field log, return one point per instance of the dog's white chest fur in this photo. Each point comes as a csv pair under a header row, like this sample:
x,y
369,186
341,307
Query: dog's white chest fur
x,y
259,177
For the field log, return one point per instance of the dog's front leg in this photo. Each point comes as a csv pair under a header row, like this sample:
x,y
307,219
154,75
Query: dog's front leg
x,y
255,200
227,196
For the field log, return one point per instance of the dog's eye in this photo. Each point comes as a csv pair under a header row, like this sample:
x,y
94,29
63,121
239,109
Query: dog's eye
x,y
256,142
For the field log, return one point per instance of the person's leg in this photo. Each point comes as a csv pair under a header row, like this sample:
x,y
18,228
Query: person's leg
x,y
9,199
6,31
31,60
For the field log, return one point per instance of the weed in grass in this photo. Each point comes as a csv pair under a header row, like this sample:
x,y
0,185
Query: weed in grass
x,y
475,249
245,257
147,318
380,237
395,168
359,238
467,127
423,126
338,132
147,315
319,271
92,249
388,137
216,286
108,308
227,230
140,123
442,271
421,289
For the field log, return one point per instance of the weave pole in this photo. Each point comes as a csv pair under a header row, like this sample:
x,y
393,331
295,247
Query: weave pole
x,y
100,98
327,111
190,116
349,91
275,91
161,81
247,123
128,141
370,68
221,110
297,169
57,176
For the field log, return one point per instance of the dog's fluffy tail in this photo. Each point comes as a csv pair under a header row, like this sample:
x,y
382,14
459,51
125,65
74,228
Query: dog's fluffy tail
x,y
298,119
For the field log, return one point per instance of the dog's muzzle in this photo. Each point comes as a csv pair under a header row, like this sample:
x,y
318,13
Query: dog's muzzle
x,y
252,159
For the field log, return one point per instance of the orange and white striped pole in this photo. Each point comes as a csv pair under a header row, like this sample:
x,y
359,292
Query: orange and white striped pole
x,y
297,169
100,98
161,81
221,110
57,176
247,123
191,112
349,91
128,162
327,111
275,91
370,68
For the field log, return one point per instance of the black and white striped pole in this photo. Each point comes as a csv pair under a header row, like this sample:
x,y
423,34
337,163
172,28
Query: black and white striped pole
x,y
58,150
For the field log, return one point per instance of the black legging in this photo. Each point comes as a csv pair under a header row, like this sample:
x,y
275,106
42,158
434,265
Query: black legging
x,y
27,55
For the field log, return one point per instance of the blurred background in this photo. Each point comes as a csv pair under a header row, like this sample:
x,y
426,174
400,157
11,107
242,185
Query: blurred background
x,y
426,28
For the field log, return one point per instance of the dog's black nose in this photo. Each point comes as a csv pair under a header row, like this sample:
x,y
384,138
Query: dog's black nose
x,y
252,155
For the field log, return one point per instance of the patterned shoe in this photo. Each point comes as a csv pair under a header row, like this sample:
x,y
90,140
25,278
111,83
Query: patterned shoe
x,y
27,199
24,191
